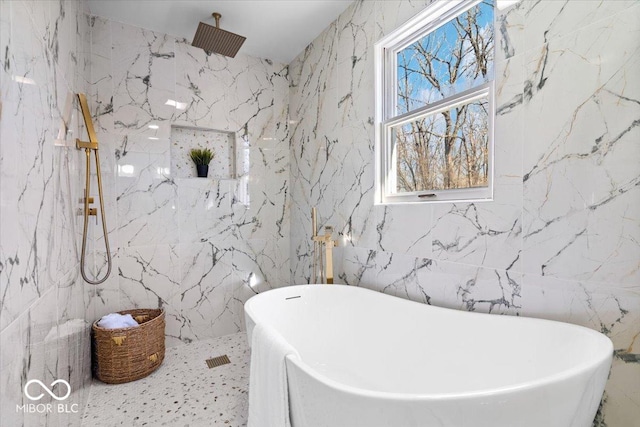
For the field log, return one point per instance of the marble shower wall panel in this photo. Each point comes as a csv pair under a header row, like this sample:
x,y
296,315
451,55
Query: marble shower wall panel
x,y
206,212
101,75
604,307
581,182
314,118
197,247
27,124
12,357
146,200
143,67
481,234
559,240
149,277
278,187
44,331
441,283
356,31
208,291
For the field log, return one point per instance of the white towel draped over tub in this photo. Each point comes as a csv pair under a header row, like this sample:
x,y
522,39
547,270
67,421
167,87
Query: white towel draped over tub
x,y
268,394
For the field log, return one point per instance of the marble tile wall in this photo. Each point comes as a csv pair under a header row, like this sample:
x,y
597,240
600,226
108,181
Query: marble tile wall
x,y
44,332
559,241
196,247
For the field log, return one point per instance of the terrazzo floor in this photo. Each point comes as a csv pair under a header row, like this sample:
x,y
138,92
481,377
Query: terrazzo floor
x,y
182,392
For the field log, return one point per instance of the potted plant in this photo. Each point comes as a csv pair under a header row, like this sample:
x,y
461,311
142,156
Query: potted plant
x,y
202,157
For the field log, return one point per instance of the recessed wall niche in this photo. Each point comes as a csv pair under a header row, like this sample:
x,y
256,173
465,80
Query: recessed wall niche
x,y
222,143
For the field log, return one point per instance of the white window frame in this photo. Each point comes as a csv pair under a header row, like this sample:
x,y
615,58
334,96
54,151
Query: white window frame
x,y
386,49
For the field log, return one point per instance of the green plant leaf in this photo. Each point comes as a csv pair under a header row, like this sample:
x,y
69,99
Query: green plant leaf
x,y
201,156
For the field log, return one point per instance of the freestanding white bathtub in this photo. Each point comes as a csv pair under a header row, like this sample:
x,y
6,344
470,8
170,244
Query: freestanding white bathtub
x,y
372,360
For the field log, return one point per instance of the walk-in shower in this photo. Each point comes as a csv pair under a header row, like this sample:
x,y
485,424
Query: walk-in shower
x,y
88,146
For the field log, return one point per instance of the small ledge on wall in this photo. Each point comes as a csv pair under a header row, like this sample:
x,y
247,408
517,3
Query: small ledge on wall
x,y
221,143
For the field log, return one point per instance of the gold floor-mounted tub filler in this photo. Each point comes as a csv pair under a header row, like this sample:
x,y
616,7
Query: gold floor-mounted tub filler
x,y
88,146
322,251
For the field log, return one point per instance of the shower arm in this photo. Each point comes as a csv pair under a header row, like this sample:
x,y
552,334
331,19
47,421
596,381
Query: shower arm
x,y
217,17
88,146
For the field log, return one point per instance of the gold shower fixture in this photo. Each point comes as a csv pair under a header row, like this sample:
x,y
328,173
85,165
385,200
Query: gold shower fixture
x,y
323,245
88,147
216,40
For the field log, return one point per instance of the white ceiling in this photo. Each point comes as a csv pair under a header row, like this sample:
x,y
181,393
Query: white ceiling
x,y
275,29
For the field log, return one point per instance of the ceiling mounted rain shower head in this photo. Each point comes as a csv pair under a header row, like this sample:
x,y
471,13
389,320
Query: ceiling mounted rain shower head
x,y
216,40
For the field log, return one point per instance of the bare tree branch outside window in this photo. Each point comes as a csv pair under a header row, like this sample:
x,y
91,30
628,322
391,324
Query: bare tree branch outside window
x,y
448,149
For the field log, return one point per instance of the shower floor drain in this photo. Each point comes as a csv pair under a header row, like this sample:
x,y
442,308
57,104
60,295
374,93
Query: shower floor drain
x,y
214,362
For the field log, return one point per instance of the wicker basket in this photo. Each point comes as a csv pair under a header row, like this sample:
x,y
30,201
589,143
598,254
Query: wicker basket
x,y
128,354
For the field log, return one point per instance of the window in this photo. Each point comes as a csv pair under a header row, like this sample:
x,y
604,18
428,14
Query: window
x,y
434,105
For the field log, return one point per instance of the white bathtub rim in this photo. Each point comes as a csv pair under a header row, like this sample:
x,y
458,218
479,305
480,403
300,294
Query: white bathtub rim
x,y
577,370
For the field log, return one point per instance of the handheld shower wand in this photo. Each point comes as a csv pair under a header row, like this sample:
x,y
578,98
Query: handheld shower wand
x,y
92,144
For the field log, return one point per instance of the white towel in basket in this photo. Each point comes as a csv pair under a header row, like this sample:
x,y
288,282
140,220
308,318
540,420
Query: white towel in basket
x,y
117,321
